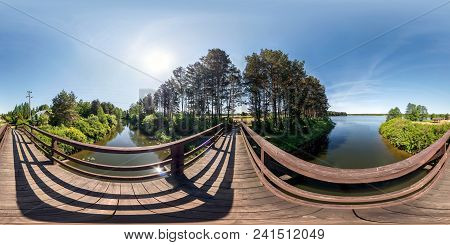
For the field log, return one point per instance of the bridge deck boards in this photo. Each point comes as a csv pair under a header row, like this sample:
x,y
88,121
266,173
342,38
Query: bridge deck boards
x,y
220,188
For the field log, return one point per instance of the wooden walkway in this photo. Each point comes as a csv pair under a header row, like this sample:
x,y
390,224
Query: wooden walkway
x,y
221,188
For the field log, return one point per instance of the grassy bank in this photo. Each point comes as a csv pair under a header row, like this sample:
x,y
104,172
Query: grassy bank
x,y
412,137
313,129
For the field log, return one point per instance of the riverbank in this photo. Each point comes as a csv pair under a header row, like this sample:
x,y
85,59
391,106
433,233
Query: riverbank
x,y
313,130
84,130
410,136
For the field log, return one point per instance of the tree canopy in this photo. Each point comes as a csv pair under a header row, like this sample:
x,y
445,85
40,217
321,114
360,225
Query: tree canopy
x,y
280,92
394,113
64,108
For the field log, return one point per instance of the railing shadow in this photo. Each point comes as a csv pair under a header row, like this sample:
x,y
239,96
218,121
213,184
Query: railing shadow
x,y
39,195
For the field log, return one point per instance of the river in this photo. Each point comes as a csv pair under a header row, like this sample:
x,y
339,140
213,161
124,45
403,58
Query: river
x,y
123,136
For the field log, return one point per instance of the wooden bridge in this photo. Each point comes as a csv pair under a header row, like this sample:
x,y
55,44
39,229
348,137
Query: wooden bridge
x,y
229,176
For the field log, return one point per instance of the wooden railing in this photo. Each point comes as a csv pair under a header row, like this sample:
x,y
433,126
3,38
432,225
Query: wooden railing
x,y
176,160
3,132
432,158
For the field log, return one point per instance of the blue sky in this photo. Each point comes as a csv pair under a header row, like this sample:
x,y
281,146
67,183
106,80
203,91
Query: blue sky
x,y
409,64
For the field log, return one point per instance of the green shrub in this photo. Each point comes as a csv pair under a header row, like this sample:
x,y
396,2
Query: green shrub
x,y
412,137
92,127
65,132
162,137
150,124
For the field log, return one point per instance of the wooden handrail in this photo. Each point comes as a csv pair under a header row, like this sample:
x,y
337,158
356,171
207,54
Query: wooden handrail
x,y
349,176
122,150
291,193
176,160
3,131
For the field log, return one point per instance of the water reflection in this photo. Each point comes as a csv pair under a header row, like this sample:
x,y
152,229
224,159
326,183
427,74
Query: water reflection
x,y
123,136
354,143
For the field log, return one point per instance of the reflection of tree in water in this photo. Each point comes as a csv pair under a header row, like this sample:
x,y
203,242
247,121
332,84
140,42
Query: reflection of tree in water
x,y
84,155
310,150
140,138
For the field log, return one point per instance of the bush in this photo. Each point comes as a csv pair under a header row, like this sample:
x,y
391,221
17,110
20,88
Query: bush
x,y
412,137
92,127
65,132
150,124
162,137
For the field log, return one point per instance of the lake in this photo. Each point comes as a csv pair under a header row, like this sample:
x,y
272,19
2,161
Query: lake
x,y
354,143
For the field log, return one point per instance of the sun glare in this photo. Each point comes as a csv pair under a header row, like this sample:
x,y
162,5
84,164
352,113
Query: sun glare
x,y
158,61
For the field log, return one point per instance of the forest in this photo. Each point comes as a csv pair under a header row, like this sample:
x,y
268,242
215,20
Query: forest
x,y
274,91
280,96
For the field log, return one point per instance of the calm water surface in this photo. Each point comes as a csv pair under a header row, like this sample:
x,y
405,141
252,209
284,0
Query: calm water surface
x,y
124,136
356,143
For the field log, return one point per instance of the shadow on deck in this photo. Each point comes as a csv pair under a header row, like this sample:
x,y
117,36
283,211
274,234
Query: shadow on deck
x,y
48,193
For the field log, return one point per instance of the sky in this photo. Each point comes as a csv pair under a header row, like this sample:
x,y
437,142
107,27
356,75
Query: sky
x,y
370,55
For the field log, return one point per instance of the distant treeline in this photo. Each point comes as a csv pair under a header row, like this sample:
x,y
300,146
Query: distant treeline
x,y
336,113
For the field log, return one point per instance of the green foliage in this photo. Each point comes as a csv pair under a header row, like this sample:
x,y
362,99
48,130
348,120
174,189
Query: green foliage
x,y
412,137
416,112
84,108
43,108
150,124
66,132
43,119
312,129
93,128
20,114
162,137
280,89
64,108
394,113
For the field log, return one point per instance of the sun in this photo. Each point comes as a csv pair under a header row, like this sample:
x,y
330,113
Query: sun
x,y
157,60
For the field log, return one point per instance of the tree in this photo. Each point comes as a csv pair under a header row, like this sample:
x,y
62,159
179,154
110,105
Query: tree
x,y
394,113
64,108
280,93
217,66
107,107
149,106
95,104
179,77
84,108
422,112
234,91
44,107
416,112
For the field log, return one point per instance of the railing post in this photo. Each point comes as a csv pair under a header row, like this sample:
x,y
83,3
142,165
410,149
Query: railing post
x,y
263,155
54,147
177,154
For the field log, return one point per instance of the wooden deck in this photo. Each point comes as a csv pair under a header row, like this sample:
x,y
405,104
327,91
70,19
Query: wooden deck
x,y
221,188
